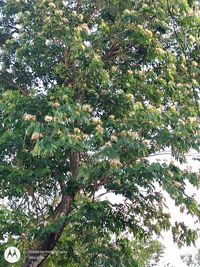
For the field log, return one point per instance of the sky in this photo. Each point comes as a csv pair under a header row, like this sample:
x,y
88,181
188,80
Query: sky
x,y
172,252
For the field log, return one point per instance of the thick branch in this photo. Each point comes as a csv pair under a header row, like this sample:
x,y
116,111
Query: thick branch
x,y
112,52
7,79
43,248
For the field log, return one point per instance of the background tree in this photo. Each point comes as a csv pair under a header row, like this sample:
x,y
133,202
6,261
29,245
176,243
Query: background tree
x,y
190,260
90,89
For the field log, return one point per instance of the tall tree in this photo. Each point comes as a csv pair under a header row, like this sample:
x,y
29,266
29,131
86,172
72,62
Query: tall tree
x,y
90,89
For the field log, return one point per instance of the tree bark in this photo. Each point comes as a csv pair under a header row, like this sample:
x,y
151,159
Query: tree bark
x,y
42,248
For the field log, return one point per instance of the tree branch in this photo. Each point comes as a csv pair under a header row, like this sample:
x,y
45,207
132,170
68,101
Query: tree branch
x,y
8,80
43,248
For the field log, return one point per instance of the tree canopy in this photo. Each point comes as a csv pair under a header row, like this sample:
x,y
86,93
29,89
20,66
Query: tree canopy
x,y
89,90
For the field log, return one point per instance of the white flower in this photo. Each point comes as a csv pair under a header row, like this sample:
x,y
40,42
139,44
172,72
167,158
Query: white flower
x,y
84,27
52,5
111,117
80,17
179,84
36,136
144,5
99,129
29,117
55,105
132,134
180,121
130,97
160,51
107,144
59,12
192,119
147,143
127,11
192,39
48,118
65,20
130,72
74,13
116,163
82,47
114,69
148,33
96,120
140,27
77,130
113,138
172,108
195,82
87,108
59,132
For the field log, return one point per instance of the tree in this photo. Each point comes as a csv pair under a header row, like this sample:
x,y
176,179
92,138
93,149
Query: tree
x,y
90,89
190,260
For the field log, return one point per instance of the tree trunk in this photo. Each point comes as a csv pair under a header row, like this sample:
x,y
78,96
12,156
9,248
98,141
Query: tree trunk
x,y
43,248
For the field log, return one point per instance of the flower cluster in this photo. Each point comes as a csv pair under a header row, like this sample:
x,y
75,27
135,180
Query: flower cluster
x,y
130,97
99,129
147,143
48,118
87,108
29,117
130,72
112,117
113,138
78,135
160,51
129,12
116,163
59,12
83,27
96,120
130,134
194,63
106,145
52,5
36,136
148,33
55,105
77,130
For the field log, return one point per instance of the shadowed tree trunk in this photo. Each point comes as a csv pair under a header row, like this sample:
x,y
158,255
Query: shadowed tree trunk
x,y
42,248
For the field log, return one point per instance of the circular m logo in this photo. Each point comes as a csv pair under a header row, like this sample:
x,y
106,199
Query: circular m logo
x,y
12,254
